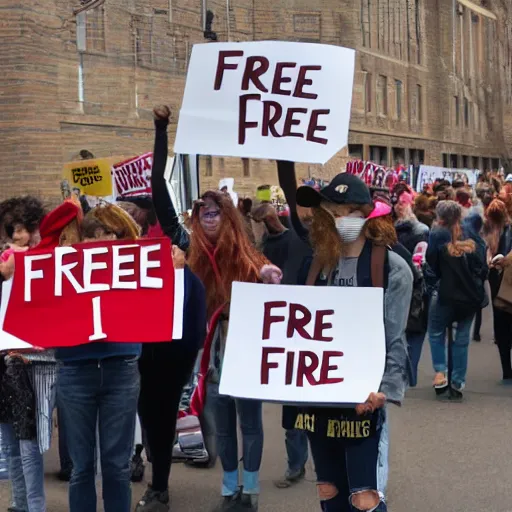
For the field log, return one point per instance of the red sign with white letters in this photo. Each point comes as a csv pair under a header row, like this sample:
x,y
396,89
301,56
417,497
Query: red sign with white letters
x,y
117,291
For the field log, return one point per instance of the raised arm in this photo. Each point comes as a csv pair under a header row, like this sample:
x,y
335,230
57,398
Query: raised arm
x,y
164,209
288,182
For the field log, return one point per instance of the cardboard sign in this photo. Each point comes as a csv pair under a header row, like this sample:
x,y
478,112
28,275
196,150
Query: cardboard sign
x,y
92,177
304,344
429,174
133,177
116,291
268,99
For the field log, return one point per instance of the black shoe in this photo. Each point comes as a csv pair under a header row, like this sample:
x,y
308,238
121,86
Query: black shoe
x,y
290,478
64,475
249,502
229,503
153,501
477,337
137,465
456,395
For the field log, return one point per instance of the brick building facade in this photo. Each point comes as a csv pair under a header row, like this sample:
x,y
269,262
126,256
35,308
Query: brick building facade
x,y
433,79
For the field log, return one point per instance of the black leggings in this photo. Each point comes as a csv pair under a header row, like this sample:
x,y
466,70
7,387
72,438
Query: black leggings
x,y
478,323
503,337
165,368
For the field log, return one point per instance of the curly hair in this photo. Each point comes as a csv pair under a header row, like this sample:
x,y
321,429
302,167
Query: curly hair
x,y
111,219
25,210
231,258
327,242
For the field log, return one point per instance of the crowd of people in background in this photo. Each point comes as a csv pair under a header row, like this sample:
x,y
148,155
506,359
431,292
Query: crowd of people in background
x,y
441,256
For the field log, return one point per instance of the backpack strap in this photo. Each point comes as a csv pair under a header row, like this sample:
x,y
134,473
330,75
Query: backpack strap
x,y
377,265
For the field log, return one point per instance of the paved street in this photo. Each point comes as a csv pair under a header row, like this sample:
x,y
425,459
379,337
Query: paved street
x,y
444,457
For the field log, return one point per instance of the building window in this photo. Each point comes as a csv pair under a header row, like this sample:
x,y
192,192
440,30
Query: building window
x,y
368,91
419,103
465,161
418,31
246,167
398,87
379,155
95,29
454,162
398,156
366,22
456,109
475,163
208,166
143,40
495,164
382,95
466,112
355,151
445,160
417,156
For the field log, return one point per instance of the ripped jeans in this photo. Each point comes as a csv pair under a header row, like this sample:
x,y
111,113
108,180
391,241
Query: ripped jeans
x,y
348,467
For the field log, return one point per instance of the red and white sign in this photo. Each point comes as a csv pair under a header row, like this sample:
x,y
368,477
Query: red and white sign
x,y
115,291
304,344
267,99
133,177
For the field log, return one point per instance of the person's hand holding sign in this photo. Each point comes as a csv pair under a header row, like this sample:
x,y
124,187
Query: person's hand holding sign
x,y
373,402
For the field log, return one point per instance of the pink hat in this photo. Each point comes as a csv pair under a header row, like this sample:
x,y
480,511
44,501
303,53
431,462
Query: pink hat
x,y
380,210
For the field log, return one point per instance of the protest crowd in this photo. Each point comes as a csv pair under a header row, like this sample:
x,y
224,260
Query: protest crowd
x,y
441,255
421,252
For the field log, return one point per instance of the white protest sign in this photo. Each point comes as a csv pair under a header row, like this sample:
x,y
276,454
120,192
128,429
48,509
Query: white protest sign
x,y
267,99
429,174
304,344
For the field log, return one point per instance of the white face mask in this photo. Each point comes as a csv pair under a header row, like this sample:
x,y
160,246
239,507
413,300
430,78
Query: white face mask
x,y
349,228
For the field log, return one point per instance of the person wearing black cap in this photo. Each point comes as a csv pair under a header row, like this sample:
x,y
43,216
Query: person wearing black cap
x,y
350,237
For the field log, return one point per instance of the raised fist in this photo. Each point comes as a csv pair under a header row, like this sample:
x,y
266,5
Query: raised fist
x,y
162,112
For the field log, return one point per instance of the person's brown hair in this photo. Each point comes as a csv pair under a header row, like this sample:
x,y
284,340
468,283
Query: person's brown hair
x,y
449,215
231,258
326,240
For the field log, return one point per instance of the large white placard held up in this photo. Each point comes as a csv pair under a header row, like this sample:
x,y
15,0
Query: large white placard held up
x,y
267,99
302,344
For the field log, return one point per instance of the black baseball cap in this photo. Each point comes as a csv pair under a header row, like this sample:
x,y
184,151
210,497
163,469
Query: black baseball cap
x,y
345,188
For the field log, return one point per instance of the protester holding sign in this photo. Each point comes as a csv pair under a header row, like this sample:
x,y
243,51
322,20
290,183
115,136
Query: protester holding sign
x,y
219,252
349,242
98,384
28,378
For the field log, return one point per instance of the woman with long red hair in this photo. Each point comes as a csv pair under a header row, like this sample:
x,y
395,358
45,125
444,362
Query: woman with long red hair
x,y
219,252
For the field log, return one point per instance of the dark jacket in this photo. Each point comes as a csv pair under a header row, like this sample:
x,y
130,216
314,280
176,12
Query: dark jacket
x,y
410,233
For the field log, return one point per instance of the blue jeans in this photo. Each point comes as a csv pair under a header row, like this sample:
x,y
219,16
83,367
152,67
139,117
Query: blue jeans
x,y
415,344
297,449
16,477
251,424
440,319
33,471
104,394
383,459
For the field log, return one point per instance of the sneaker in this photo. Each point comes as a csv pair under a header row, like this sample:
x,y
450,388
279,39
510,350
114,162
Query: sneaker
x,y
249,502
291,477
153,501
456,395
228,503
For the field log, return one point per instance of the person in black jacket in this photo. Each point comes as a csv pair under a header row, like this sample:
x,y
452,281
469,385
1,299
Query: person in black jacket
x,y
498,234
456,254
